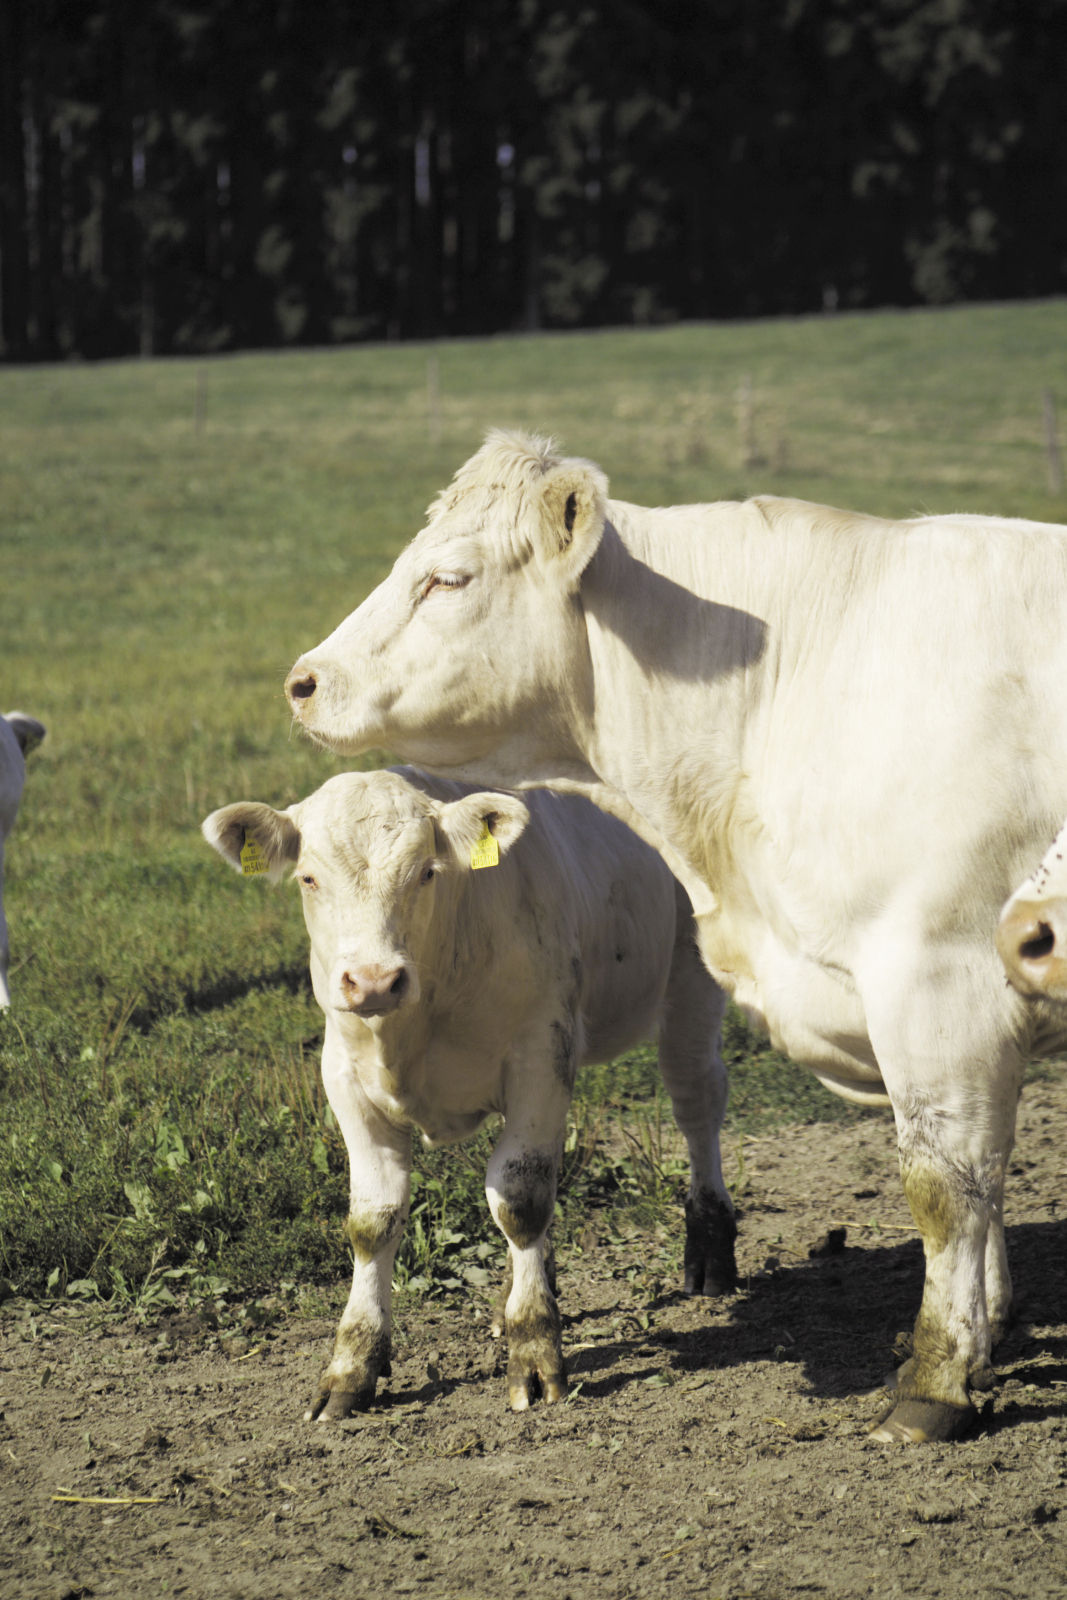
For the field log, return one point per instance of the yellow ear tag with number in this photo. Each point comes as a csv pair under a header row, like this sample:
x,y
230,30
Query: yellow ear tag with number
x,y
253,861
485,851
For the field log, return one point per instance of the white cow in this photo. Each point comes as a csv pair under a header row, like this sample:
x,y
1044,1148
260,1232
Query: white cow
x,y
450,993
18,734
1032,932
839,735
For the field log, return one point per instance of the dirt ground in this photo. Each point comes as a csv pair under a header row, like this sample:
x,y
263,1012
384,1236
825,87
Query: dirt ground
x,y
707,1449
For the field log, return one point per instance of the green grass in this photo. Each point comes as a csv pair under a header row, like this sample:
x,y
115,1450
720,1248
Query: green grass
x,y
159,1105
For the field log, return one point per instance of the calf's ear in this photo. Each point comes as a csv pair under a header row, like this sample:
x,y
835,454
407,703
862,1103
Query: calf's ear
x,y
572,510
254,838
465,823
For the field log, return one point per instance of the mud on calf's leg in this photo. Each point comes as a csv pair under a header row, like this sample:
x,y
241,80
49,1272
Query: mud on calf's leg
x,y
363,1346
954,1208
522,1194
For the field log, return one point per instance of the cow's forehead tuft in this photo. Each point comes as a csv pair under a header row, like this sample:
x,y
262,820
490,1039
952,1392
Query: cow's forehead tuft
x,y
376,808
508,465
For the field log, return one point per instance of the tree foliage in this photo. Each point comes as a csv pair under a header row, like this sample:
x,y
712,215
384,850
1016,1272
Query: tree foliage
x,y
179,176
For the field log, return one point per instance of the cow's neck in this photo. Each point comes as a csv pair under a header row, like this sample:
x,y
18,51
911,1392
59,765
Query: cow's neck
x,y
675,676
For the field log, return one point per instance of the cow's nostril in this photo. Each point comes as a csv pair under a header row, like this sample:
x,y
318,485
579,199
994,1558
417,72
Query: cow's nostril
x,y
399,984
1040,945
303,688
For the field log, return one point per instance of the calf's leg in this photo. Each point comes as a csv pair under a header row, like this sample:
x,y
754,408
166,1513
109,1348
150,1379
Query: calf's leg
x,y
520,1186
379,1157
694,1075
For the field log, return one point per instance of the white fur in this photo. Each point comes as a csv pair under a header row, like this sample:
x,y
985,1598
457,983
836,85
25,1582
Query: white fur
x,y
575,946
835,728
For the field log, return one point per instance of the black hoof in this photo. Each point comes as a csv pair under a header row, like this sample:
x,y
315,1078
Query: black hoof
x,y
923,1422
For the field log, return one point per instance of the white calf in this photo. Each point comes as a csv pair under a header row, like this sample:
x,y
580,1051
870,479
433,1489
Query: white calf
x,y
452,992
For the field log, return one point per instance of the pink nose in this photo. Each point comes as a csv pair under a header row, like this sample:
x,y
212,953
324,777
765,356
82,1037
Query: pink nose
x,y
1031,948
372,991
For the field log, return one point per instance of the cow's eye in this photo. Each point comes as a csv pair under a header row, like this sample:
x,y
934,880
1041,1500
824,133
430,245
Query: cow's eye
x,y
307,881
428,873
445,580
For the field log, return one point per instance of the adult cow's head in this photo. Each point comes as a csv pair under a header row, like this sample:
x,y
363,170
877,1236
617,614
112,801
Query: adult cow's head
x,y
369,851
477,631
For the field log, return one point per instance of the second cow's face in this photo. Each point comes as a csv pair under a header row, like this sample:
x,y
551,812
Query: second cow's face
x,y
376,859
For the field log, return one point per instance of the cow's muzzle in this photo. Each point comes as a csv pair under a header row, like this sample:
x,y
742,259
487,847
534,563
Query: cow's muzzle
x,y
1032,946
300,688
374,990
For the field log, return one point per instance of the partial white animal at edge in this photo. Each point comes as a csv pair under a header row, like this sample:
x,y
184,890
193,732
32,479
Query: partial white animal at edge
x,y
18,734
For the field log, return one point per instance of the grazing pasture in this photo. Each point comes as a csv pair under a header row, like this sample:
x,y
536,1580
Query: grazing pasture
x,y
174,534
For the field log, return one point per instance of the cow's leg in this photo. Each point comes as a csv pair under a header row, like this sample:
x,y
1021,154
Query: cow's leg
x,y
694,1074
520,1186
379,1158
955,1117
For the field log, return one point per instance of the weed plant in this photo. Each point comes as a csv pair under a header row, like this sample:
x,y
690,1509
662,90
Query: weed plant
x,y
162,1127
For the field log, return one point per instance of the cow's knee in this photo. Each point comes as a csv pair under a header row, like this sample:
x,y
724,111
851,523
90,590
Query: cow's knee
x,y
373,1229
522,1197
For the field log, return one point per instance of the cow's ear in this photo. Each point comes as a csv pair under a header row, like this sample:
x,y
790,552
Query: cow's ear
x,y
253,838
481,828
573,508
27,730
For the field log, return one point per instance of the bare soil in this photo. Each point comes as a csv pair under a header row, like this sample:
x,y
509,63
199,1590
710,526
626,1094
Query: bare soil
x,y
712,1449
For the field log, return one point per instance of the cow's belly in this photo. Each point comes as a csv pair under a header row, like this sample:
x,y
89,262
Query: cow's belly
x,y
812,1013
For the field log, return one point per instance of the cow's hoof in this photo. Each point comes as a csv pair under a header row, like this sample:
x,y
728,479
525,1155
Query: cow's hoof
x,y
922,1422
522,1392
338,1397
709,1264
530,1380
333,1405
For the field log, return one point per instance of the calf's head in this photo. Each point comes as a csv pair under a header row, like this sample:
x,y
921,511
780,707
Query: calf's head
x,y
374,855
476,635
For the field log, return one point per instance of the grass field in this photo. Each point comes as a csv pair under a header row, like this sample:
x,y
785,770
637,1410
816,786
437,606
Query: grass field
x,y
173,535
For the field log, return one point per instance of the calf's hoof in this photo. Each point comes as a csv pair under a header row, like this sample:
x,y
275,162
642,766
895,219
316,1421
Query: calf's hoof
x,y
710,1230
339,1396
923,1422
531,1380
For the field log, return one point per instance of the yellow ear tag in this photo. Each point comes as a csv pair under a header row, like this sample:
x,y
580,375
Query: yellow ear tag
x,y
485,851
253,861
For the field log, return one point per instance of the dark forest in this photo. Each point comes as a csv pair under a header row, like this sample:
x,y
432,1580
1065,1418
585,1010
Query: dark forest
x,y
181,177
